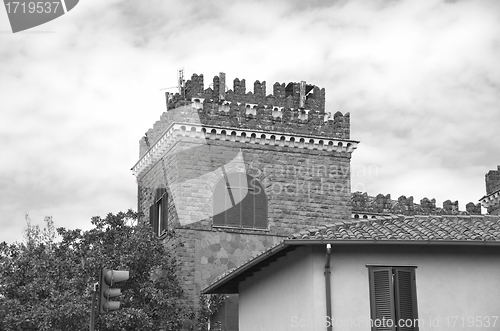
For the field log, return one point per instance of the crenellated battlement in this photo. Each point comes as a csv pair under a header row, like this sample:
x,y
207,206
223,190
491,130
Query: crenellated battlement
x,y
292,109
380,204
290,96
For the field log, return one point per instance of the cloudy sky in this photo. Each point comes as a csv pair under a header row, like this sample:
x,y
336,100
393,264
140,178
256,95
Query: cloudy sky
x,y
421,80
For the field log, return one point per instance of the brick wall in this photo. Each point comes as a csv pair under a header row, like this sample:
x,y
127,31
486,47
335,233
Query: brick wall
x,y
303,187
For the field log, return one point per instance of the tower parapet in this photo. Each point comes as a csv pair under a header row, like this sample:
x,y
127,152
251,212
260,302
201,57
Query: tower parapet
x,y
294,115
292,108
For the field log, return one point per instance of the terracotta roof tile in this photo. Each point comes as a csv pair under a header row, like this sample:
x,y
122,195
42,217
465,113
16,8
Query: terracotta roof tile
x,y
420,227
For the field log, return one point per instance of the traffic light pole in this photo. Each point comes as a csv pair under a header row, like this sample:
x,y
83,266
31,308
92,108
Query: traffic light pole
x,y
92,307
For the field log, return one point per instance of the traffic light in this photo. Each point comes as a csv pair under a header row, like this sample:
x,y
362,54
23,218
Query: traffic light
x,y
109,278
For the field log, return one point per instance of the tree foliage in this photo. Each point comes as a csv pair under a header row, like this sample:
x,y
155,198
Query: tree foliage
x,y
47,284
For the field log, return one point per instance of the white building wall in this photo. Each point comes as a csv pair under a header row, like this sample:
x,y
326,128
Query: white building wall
x,y
282,293
458,288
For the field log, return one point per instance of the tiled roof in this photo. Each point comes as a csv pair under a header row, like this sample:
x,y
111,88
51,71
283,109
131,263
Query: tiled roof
x,y
394,227
461,229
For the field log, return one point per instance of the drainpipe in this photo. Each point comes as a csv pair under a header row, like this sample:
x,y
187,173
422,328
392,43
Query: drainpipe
x,y
328,288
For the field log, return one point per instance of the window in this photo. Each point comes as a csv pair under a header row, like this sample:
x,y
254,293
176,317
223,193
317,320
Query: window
x,y
393,298
240,201
158,212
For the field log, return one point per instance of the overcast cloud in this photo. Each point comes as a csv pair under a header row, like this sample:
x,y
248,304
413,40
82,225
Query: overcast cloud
x,y
421,80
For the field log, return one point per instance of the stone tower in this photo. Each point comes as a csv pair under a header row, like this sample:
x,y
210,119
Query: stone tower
x,y
491,201
233,172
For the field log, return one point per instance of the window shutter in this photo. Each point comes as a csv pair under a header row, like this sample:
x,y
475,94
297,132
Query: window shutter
x,y
164,213
233,216
260,208
247,201
239,201
152,216
406,298
156,221
248,210
219,219
220,204
381,299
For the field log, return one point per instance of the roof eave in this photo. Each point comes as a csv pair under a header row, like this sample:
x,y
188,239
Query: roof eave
x,y
302,242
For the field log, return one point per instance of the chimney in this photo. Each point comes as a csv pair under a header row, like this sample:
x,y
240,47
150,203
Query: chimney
x,y
222,86
302,100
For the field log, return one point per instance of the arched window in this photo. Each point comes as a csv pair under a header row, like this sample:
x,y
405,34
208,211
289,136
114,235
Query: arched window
x,y
240,201
158,212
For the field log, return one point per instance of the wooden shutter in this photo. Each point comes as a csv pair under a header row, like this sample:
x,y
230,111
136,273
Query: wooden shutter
x,y
248,210
219,219
164,213
406,299
233,216
152,217
219,203
260,207
248,206
247,201
382,299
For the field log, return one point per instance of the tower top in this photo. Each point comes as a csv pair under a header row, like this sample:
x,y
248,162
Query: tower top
x,y
293,108
293,116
